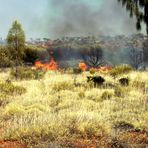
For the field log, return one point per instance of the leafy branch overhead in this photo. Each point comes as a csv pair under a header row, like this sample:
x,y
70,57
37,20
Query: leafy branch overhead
x,y
139,9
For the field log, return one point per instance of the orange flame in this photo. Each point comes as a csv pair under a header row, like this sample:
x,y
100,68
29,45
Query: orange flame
x,y
39,65
83,66
52,65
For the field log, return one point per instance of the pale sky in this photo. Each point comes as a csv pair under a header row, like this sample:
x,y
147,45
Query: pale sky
x,y
53,18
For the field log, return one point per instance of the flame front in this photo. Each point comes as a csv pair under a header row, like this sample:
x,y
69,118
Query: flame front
x,y
83,66
52,65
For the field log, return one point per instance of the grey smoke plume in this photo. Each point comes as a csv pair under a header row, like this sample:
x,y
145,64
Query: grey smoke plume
x,y
77,18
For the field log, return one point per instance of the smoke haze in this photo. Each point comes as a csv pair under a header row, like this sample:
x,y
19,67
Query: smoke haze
x,y
78,18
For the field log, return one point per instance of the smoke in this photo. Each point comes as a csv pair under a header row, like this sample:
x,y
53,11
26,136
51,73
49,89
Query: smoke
x,y
80,18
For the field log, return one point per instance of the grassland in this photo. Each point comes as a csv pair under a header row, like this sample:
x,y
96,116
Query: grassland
x,y
63,110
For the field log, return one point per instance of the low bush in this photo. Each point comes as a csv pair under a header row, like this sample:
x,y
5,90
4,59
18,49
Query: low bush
x,y
63,86
106,95
120,91
122,125
27,73
118,70
139,84
92,71
10,89
77,71
124,81
5,59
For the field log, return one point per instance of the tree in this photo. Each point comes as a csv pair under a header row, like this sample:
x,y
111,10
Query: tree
x,y
135,55
139,9
145,51
92,55
136,58
16,43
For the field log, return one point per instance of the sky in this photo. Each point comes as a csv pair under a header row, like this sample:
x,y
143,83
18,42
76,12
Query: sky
x,y
58,18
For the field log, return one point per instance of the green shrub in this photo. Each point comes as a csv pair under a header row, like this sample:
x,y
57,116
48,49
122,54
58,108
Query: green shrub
x,y
5,60
27,73
118,70
10,89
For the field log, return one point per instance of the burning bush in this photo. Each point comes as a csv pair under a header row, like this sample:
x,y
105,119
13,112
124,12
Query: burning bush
x,y
83,66
52,65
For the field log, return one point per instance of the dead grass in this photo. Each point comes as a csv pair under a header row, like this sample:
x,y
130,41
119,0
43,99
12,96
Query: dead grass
x,y
54,110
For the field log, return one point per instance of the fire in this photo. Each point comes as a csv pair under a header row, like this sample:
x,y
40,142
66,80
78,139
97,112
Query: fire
x,y
83,66
39,65
52,65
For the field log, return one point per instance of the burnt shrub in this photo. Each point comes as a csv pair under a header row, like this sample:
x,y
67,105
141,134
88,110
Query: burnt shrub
x,y
124,81
97,80
27,73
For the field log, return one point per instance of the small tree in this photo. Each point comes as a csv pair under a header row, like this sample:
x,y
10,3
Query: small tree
x,y
92,56
16,44
136,57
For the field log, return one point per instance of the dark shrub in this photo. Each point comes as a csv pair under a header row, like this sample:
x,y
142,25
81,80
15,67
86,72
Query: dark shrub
x,y
115,143
124,81
77,71
31,55
123,126
97,80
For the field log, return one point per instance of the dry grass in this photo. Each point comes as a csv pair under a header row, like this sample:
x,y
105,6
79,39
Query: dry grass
x,y
55,109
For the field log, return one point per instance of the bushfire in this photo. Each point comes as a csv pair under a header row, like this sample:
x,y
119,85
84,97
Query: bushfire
x,y
52,65
83,66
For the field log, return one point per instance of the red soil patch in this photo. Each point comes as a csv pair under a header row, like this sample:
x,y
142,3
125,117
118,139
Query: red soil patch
x,y
10,144
95,142
135,137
